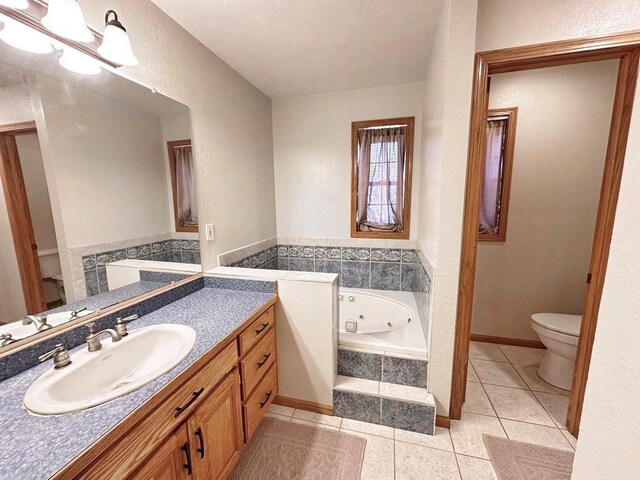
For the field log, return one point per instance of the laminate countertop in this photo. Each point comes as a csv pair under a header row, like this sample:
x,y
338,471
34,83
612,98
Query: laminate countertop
x,y
36,447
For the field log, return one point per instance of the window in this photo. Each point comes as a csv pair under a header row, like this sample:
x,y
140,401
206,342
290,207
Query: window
x,y
184,186
382,153
496,182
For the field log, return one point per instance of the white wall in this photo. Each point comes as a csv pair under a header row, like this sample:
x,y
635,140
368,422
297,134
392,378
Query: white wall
x,y
555,188
231,123
610,428
446,110
312,155
15,107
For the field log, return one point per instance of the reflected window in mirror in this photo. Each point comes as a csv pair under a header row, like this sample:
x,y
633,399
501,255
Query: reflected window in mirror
x,y
496,180
184,186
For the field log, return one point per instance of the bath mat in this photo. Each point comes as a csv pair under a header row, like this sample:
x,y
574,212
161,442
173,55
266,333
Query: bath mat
x,y
282,450
513,460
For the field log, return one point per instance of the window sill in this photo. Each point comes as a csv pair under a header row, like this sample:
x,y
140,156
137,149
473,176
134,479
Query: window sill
x,y
381,235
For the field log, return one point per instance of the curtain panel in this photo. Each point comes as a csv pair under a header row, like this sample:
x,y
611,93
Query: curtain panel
x,y
186,187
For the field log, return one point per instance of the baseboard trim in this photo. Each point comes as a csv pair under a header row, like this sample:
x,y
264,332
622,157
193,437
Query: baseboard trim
x,y
303,405
518,342
442,421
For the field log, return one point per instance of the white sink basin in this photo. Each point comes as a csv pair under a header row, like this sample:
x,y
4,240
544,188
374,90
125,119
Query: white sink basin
x,y
118,368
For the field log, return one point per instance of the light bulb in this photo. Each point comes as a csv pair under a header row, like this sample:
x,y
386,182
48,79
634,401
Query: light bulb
x,y
116,45
65,18
78,62
24,38
19,4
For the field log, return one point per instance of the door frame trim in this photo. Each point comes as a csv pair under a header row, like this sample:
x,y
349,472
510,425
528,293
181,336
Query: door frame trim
x,y
626,48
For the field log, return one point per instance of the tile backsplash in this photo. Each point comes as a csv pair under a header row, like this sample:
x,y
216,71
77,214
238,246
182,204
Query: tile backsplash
x,y
178,251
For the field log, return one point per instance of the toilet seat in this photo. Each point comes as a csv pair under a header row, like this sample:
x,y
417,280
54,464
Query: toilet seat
x,y
559,322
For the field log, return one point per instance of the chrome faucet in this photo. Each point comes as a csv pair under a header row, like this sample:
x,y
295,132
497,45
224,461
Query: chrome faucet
x,y
93,339
60,357
6,339
39,322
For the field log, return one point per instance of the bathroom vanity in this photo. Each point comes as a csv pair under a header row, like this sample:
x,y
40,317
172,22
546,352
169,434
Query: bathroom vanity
x,y
192,422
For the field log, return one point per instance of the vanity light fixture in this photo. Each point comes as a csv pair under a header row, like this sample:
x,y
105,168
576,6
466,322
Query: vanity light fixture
x,y
78,62
65,18
116,45
24,38
19,4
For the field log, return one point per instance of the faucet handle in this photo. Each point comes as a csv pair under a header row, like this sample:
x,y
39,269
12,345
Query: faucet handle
x,y
6,339
60,356
92,327
121,326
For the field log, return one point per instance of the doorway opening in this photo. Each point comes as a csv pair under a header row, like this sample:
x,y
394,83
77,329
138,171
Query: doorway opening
x,y
625,48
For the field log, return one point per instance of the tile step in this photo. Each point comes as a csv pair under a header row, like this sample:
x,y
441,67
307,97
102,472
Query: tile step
x,y
396,369
401,406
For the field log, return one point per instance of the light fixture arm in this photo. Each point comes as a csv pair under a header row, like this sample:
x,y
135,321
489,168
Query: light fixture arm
x,y
115,22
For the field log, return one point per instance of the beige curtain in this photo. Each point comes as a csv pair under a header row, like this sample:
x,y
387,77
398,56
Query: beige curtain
x,y
492,176
186,187
381,165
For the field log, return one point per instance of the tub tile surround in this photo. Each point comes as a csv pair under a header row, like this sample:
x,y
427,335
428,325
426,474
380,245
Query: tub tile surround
x,y
382,367
95,258
212,312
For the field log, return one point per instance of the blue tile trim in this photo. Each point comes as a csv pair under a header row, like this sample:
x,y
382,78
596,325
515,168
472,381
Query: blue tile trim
x,y
239,284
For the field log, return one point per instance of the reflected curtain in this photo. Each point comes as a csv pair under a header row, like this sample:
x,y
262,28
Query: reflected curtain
x,y
492,176
186,186
381,165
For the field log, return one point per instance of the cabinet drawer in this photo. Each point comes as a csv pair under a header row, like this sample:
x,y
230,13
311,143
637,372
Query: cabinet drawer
x,y
257,330
259,401
146,436
257,362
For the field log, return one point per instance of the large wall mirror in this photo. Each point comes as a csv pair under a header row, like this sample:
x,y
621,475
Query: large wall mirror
x,y
98,193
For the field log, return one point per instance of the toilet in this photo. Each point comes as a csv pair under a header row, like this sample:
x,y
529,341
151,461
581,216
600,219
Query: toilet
x,y
559,332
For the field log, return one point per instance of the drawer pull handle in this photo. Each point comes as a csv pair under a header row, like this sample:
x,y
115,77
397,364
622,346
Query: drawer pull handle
x,y
262,404
264,360
200,449
193,398
262,328
187,451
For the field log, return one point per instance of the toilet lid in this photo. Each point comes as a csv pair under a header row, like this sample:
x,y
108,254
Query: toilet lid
x,y
559,322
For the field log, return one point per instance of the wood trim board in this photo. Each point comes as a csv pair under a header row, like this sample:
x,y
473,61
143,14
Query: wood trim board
x,y
516,342
303,405
626,47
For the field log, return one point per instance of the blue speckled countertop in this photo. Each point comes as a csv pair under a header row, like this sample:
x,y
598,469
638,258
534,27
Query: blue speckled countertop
x,y
36,447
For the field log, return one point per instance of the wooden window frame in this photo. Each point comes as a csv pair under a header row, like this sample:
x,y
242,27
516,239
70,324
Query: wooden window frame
x,y
408,174
626,48
174,184
511,115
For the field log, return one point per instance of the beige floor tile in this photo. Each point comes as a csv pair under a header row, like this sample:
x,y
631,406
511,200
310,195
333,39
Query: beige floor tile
x,y
535,383
556,406
378,461
472,468
497,373
486,351
476,400
275,415
466,433
364,427
570,438
281,410
516,404
415,462
522,355
317,418
471,374
441,440
314,424
540,435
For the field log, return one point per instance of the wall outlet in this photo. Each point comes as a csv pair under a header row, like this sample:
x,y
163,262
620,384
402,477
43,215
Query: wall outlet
x,y
209,229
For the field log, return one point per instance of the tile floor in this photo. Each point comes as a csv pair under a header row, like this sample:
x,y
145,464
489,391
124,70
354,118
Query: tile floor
x,y
504,398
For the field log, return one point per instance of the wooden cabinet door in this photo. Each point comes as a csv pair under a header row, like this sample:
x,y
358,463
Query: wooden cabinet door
x,y
172,460
215,431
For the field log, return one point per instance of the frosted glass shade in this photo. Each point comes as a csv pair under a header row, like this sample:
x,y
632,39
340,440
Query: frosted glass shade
x,y
116,46
79,62
19,4
24,38
65,18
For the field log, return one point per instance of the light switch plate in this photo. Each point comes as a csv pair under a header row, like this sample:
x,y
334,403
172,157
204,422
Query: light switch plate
x,y
209,230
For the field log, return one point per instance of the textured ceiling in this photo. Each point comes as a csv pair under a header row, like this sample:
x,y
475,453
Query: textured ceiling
x,y
297,47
